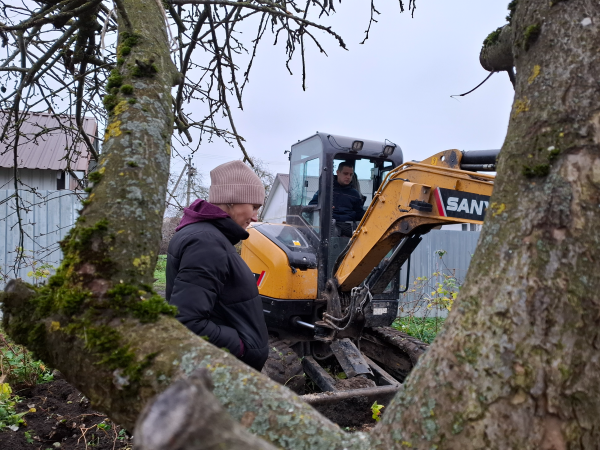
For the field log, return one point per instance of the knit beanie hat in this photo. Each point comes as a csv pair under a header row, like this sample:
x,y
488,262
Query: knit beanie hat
x,y
235,182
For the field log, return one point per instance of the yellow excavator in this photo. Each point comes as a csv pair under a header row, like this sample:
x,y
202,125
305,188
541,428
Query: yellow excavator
x,y
331,290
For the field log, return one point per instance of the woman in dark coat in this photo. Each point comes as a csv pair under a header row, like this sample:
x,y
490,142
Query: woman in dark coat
x,y
213,288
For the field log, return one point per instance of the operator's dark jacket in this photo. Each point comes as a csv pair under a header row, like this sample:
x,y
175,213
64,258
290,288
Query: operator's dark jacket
x,y
347,202
212,287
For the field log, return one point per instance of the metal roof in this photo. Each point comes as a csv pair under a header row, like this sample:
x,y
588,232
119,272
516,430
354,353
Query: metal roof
x,y
46,141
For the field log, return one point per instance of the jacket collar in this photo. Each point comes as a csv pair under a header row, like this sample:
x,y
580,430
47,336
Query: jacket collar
x,y
231,230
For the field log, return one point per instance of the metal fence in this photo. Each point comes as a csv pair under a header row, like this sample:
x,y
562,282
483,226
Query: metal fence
x,y
440,252
47,216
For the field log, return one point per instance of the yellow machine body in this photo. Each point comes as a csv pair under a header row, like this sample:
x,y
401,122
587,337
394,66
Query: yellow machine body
x,y
275,277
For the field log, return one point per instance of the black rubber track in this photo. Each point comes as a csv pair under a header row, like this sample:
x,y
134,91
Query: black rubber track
x,y
395,351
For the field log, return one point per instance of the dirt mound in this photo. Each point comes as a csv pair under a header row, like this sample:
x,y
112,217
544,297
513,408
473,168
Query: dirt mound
x,y
354,383
62,419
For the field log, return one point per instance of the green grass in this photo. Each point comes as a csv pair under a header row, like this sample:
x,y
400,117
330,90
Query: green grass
x,y
160,273
18,368
423,328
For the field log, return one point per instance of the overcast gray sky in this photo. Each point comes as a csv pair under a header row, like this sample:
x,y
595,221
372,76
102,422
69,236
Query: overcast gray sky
x,y
396,86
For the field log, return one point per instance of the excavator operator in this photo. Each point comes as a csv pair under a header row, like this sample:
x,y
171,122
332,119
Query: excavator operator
x,y
347,202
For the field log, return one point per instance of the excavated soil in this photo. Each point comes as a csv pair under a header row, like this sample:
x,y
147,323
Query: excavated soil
x,y
63,419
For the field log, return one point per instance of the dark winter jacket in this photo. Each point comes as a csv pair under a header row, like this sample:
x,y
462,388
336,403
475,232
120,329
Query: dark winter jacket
x,y
347,203
212,287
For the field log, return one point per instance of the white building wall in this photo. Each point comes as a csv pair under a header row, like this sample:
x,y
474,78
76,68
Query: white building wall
x,y
277,208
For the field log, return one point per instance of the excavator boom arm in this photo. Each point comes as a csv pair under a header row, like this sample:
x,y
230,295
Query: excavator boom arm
x,y
413,199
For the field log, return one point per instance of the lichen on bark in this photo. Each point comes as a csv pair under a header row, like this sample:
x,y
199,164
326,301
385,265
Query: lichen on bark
x,y
516,365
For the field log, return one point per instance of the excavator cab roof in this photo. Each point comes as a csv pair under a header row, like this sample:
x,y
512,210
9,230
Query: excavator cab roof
x,y
333,144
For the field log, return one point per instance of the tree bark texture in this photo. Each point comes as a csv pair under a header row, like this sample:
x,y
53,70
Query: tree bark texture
x,y
166,352
176,420
517,364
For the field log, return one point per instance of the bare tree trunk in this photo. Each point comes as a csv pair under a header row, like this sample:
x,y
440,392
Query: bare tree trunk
x,y
517,364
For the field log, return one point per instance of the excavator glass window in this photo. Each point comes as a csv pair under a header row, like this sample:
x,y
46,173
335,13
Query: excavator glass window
x,y
367,176
304,171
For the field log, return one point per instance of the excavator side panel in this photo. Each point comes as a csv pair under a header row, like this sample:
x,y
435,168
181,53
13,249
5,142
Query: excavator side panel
x,y
274,275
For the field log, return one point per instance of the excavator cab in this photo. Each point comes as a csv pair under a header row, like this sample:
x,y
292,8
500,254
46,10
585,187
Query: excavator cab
x,y
313,166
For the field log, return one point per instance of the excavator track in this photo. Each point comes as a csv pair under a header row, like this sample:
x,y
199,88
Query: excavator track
x,y
395,351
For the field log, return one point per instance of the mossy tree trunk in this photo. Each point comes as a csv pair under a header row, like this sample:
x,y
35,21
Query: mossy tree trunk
x,y
517,364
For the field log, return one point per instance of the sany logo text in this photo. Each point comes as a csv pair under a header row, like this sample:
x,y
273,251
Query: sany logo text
x,y
476,207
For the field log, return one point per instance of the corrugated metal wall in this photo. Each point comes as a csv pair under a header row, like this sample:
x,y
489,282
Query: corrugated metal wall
x,y
458,246
48,217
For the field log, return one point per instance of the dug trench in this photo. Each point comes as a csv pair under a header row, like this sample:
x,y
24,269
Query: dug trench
x,y
348,402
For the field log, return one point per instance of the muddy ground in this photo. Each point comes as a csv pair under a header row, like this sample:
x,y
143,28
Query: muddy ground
x,y
63,419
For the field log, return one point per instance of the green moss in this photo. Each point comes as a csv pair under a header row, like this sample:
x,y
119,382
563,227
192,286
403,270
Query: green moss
x,y
143,305
553,154
110,101
130,39
120,61
115,79
132,164
82,236
127,89
492,38
539,170
37,335
132,101
87,189
95,177
104,340
531,34
144,69
86,202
